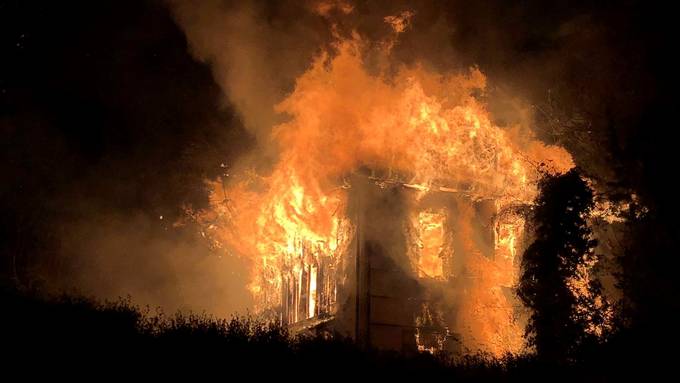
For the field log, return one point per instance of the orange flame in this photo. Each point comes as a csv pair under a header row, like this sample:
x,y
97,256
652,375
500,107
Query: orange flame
x,y
428,127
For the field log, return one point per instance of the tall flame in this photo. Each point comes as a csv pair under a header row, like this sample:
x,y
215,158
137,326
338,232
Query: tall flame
x,y
428,127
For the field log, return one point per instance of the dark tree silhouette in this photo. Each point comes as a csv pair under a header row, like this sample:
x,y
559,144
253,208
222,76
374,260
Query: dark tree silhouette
x,y
563,243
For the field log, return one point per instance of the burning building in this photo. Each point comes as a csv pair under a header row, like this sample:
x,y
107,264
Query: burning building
x,y
403,277
394,211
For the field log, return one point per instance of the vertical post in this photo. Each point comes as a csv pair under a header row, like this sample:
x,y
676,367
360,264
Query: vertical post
x,y
284,301
357,270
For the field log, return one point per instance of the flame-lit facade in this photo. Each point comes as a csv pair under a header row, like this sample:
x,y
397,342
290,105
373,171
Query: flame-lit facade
x,y
404,275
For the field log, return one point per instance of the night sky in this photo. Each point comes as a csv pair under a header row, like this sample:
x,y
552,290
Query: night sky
x,y
107,123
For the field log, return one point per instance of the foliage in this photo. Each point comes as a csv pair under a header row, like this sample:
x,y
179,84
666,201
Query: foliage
x,y
562,320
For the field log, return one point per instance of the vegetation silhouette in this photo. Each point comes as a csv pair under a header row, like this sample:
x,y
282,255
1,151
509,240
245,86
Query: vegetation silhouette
x,y
561,321
78,333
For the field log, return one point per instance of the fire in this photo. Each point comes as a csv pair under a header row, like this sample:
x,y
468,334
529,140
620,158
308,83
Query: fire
x,y
431,244
427,130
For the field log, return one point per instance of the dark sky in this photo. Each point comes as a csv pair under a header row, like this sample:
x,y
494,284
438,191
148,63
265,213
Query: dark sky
x,y
106,94
107,122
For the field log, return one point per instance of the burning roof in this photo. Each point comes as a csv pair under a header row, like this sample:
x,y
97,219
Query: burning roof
x,y
428,132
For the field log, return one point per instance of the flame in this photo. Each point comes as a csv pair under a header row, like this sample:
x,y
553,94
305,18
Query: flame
x,y
429,128
401,22
431,235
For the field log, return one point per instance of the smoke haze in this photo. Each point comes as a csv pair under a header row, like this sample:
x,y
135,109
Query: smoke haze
x,y
114,115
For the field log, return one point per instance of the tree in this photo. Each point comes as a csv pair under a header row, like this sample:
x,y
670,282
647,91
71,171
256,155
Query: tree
x,y
561,320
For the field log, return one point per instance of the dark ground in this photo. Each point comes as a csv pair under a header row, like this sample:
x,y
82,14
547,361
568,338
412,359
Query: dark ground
x,y
78,337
